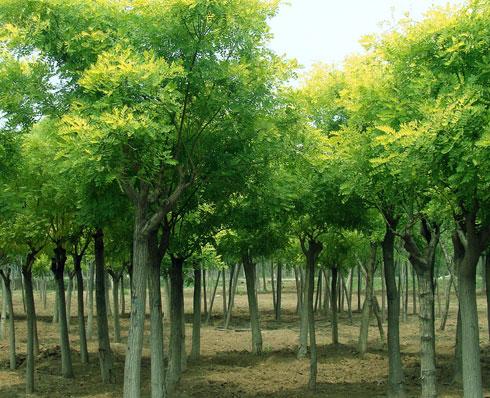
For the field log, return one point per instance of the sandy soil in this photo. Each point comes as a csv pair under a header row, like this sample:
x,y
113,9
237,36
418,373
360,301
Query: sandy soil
x,y
227,369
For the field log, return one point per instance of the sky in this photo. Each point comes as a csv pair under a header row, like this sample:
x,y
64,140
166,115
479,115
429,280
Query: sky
x,y
329,30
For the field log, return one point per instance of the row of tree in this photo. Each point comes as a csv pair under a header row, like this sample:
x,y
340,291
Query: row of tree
x,y
157,128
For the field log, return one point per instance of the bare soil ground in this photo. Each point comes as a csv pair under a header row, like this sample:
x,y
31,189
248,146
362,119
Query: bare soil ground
x,y
228,369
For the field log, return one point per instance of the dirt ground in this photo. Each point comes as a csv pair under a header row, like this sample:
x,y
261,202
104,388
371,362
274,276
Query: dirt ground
x,y
228,369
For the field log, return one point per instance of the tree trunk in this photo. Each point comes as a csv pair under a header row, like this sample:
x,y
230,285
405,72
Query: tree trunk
x,y
224,296
359,287
447,301
232,292
105,353
31,315
311,322
395,374
250,279
204,293
132,364
427,335
383,294
405,297
303,314
334,301
123,299
273,286
414,293
298,290
487,289
90,315
278,291
156,322
472,380
115,301
56,311
81,312
346,294
458,353
58,267
213,296
3,316
176,322
264,283
196,319
326,300
368,302
69,294
318,291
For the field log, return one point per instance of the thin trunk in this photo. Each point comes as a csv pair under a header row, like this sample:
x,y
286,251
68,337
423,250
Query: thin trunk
x,y
264,283
56,311
311,320
298,290
358,287
157,371
326,303
447,300
115,302
458,352
90,316
472,380
123,298
303,315
427,335
278,291
383,293
176,322
368,302
107,288
3,316
139,277
334,290
196,319
487,289
204,293
395,373
318,291
250,279
105,353
405,296
231,301
213,296
273,285
58,267
224,295
81,312
414,293
346,294
31,315
69,294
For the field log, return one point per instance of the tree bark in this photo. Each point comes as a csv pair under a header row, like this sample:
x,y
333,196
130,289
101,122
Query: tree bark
x,y
115,301
176,322
204,293
157,370
487,289
278,291
213,296
303,314
334,301
105,353
58,267
368,302
250,279
139,277
81,311
3,316
90,315
231,300
395,373
10,309
196,319
31,315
